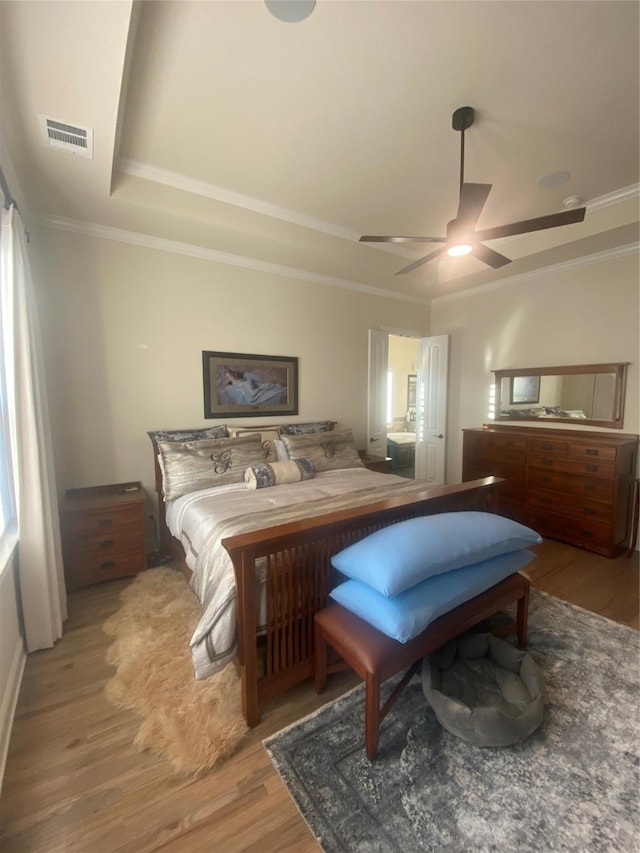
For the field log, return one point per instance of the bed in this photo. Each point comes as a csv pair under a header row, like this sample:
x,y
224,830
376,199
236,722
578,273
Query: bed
x,y
259,559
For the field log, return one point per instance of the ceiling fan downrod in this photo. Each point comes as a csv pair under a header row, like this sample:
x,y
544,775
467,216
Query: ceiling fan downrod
x,y
461,120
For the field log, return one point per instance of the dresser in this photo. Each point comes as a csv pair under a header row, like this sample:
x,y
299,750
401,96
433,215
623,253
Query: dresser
x,y
577,487
103,533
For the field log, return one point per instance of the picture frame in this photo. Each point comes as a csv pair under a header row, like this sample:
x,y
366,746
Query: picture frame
x,y
412,380
249,385
525,389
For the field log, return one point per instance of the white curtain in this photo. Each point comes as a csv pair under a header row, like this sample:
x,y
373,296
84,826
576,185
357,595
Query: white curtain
x,y
39,553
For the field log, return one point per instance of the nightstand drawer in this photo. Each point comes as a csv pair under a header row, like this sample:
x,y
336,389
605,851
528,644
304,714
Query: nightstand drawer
x,y
102,521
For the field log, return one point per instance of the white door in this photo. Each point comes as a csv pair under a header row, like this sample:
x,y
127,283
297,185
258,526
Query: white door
x,y
377,408
431,409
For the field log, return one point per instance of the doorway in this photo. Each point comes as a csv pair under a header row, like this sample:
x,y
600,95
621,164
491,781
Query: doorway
x,y
402,376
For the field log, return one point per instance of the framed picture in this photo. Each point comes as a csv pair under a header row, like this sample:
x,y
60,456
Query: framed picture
x,y
411,391
525,389
249,385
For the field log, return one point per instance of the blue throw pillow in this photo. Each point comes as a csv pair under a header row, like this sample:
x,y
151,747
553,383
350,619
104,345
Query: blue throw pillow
x,y
406,615
401,555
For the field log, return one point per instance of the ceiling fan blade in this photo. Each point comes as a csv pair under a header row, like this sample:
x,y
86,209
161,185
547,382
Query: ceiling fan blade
x,y
416,264
472,199
368,238
554,220
489,256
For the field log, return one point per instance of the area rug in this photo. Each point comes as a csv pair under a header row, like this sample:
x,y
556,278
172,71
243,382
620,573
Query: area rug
x,y
572,786
196,725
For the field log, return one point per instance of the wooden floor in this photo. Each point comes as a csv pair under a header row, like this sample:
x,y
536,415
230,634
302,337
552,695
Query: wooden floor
x,y
73,781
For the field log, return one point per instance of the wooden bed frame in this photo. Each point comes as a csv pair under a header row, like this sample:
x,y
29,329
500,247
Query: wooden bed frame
x,y
299,577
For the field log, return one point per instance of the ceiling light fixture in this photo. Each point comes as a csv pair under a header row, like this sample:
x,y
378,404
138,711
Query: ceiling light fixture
x,y
459,250
290,11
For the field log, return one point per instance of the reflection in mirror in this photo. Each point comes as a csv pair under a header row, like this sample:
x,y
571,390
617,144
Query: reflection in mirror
x,y
580,394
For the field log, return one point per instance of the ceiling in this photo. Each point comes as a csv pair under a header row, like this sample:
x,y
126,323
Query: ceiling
x,y
275,145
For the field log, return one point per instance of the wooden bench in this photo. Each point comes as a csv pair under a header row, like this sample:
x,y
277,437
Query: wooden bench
x,y
376,657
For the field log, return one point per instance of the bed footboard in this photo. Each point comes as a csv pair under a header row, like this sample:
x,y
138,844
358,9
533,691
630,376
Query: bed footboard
x,y
299,576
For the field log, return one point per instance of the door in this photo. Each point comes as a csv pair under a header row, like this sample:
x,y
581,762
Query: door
x,y
377,408
431,409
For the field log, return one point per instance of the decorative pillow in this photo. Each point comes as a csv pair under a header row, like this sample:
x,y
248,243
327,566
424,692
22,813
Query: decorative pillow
x,y
189,466
328,452
406,615
277,473
305,429
397,557
281,450
189,434
268,444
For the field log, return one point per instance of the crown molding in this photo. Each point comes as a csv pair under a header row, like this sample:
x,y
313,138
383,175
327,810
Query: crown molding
x,y
564,266
201,188
615,197
190,185
134,238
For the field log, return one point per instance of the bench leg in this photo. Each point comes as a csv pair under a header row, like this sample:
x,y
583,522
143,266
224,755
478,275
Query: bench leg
x,y
372,716
320,662
522,615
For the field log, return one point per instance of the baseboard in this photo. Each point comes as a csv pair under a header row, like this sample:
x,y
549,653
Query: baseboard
x,y
9,702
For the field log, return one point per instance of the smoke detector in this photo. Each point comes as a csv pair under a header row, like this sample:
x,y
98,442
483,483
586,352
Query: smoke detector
x,y
67,137
572,201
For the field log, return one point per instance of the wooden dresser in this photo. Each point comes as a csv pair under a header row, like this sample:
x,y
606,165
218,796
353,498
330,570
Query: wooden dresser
x,y
103,533
573,486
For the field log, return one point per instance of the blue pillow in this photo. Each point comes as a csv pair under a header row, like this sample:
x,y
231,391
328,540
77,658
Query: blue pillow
x,y
406,615
399,556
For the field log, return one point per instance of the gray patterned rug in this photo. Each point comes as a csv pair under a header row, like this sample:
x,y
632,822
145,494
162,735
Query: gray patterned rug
x,y
572,786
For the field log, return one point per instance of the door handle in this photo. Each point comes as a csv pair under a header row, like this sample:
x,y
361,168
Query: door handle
x,y
439,435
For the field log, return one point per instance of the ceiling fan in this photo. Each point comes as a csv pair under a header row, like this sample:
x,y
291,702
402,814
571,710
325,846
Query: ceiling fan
x,y
462,238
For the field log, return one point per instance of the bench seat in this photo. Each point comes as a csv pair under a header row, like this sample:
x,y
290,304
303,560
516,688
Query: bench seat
x,y
377,657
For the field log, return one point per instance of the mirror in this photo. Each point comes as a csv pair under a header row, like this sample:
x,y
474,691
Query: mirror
x,y
578,394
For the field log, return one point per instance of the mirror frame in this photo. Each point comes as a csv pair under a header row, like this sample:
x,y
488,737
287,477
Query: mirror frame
x,y
617,368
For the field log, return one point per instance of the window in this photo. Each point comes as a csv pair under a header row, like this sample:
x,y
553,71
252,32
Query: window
x,y
7,504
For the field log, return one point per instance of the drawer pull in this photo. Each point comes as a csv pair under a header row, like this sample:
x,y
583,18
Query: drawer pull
x,y
587,510
107,543
547,461
510,443
546,446
591,468
105,522
590,487
110,564
592,451
546,480
587,533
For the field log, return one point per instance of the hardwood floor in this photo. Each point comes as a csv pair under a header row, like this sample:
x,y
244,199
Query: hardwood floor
x,y
74,782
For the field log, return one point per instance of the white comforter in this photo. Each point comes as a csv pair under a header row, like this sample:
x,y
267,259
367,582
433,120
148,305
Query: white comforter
x,y
201,519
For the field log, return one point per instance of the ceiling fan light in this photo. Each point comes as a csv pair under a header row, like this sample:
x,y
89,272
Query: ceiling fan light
x,y
459,249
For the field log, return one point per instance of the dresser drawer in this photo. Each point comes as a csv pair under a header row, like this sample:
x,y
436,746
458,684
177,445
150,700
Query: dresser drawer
x,y
568,504
592,452
585,487
84,571
549,445
513,487
596,468
584,534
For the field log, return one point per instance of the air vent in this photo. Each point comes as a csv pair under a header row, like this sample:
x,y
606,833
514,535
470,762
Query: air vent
x,y
68,137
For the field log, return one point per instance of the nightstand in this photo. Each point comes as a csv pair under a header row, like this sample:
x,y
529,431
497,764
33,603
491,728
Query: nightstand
x,y
382,464
103,533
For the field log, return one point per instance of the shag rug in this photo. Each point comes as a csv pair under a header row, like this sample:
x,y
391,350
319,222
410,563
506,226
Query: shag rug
x,y
195,724
574,785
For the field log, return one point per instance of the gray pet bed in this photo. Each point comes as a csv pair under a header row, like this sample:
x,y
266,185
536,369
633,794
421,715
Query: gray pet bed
x,y
484,690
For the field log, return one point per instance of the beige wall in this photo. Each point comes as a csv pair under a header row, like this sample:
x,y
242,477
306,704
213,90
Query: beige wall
x,y
585,315
124,328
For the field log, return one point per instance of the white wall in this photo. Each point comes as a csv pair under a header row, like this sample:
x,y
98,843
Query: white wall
x,y
124,328
12,656
584,315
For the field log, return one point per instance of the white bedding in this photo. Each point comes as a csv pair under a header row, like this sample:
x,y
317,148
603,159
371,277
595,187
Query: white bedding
x,y
201,519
